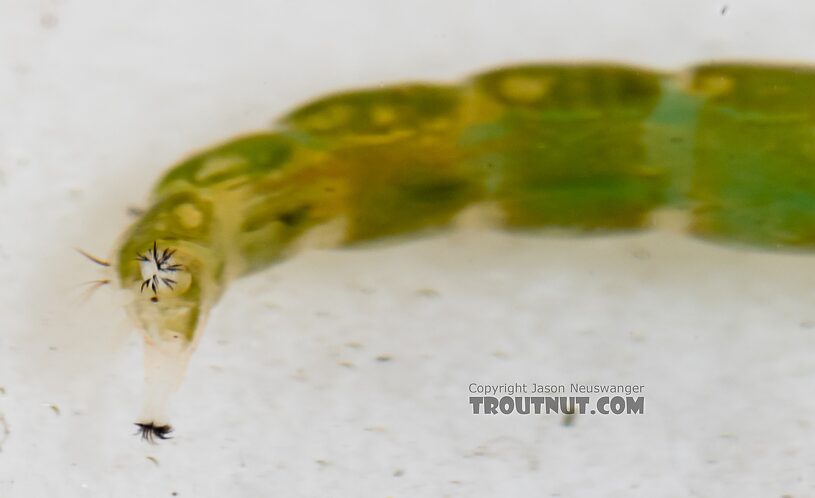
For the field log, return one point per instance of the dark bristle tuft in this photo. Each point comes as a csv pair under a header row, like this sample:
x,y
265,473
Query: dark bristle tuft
x,y
150,432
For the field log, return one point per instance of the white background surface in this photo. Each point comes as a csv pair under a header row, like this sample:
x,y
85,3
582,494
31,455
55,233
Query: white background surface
x,y
285,396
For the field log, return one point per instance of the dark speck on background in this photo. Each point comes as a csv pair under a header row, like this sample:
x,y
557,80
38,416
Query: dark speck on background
x,y
427,292
640,253
4,431
49,21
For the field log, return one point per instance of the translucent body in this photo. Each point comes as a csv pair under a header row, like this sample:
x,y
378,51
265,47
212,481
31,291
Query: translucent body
x,y
582,147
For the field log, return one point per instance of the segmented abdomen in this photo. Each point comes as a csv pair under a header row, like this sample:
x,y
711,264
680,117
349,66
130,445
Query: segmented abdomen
x,y
575,146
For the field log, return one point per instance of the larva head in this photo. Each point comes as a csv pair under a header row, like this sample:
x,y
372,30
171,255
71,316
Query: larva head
x,y
167,270
165,295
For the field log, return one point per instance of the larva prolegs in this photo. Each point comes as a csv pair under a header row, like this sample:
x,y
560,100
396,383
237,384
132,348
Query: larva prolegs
x,y
164,370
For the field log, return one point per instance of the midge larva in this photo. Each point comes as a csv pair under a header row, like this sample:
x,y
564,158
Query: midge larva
x,y
581,147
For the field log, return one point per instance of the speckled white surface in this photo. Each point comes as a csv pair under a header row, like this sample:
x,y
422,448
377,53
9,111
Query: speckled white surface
x,y
288,394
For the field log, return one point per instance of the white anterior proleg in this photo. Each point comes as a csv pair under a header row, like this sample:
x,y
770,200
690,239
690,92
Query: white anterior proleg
x,y
164,369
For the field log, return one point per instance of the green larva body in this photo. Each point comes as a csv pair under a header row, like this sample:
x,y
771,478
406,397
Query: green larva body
x,y
580,147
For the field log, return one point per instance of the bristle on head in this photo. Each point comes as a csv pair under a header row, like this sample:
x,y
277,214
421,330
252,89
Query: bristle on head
x,y
98,261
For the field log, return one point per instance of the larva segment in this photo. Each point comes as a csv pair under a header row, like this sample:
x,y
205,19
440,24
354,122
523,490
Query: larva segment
x,y
281,210
229,166
406,187
754,174
395,160
563,145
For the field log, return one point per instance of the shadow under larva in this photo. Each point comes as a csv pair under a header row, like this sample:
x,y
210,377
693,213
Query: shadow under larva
x,y
597,148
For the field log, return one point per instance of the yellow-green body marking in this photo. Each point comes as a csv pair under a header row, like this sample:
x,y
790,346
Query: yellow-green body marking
x,y
581,147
